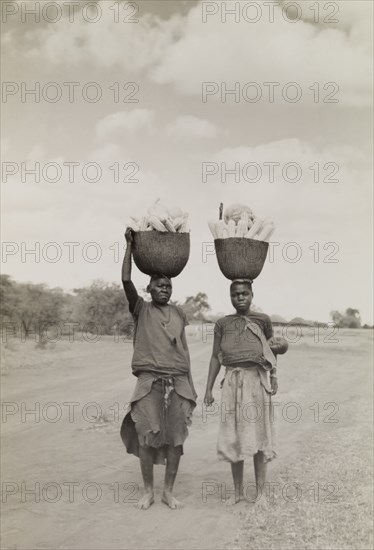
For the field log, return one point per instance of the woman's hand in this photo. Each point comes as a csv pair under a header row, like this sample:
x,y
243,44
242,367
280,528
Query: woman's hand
x,y
273,384
208,398
128,235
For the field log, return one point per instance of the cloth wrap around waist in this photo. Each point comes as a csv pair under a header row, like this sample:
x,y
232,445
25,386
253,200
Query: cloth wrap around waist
x,y
159,413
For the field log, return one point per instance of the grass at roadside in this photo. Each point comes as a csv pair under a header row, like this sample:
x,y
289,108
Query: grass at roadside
x,y
330,465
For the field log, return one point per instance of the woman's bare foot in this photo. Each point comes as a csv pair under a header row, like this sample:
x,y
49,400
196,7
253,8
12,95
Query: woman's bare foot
x,y
172,502
262,504
146,501
233,499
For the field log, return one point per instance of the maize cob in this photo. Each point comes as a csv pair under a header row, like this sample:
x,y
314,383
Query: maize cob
x,y
254,229
244,217
267,238
132,225
231,226
184,227
225,232
241,228
143,224
212,227
220,226
156,223
169,225
266,232
266,222
178,223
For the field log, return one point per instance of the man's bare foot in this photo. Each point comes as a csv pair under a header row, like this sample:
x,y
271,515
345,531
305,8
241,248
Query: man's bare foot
x,y
233,499
146,501
172,502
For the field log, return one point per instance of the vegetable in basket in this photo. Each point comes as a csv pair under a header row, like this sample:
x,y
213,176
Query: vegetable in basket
x,y
240,221
161,218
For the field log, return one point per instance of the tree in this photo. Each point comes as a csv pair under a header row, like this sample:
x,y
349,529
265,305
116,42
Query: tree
x,y
31,307
336,317
104,307
350,319
196,307
8,298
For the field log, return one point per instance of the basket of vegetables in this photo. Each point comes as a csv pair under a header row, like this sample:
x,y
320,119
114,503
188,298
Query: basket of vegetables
x,y
161,240
241,242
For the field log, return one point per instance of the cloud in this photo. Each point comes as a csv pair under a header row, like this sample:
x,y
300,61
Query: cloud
x,y
354,17
129,122
106,42
169,59
189,128
271,52
306,208
305,212
184,51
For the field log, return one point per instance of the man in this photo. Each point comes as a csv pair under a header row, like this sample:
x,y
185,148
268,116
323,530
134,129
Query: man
x,y
155,427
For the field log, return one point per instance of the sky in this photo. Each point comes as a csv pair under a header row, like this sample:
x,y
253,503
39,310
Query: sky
x,y
268,106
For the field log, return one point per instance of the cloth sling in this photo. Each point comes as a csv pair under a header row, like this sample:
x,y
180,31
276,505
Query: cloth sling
x,y
268,354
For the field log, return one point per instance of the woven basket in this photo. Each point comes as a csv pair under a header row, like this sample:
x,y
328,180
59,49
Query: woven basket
x,y
161,252
241,258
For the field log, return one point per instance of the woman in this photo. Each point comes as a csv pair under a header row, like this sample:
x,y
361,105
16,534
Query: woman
x,y
155,426
244,343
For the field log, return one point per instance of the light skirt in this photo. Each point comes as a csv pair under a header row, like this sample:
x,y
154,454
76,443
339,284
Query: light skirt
x,y
246,415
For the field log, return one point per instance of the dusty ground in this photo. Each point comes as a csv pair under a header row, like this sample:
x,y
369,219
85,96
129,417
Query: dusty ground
x,y
321,494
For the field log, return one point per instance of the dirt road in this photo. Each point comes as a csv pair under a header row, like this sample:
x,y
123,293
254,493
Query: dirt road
x,y
69,451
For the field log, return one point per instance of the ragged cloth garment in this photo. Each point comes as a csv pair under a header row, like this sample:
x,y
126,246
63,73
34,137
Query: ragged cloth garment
x,y
158,339
158,415
161,407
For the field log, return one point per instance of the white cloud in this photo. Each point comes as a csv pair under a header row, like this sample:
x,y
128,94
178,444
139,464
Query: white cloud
x,y
121,122
264,52
106,43
305,209
304,212
354,17
188,128
184,51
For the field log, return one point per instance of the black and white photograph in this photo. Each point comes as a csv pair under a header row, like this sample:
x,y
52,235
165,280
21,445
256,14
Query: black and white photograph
x,y
186,275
